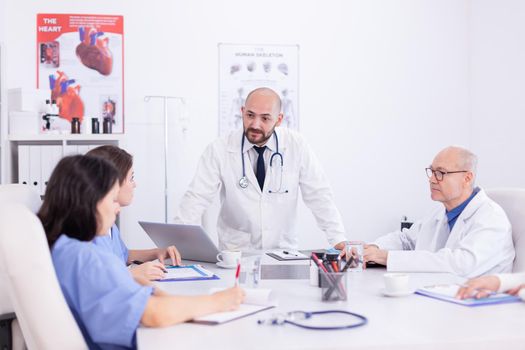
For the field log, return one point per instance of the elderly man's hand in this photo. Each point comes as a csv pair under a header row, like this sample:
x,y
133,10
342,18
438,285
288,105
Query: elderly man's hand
x,y
373,253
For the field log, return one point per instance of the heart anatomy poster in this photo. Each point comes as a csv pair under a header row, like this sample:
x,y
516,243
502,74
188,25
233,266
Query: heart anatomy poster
x,y
80,60
243,68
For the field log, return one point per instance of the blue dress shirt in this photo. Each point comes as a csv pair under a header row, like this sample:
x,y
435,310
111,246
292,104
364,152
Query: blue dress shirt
x,y
453,214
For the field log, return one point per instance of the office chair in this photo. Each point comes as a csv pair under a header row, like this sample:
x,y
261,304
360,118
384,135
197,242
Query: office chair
x,y
25,260
512,200
10,333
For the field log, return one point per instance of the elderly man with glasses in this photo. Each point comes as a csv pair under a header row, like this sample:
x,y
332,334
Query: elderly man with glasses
x,y
469,236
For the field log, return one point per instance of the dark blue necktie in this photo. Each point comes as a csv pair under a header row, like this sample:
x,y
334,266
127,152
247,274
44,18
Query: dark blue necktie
x,y
261,170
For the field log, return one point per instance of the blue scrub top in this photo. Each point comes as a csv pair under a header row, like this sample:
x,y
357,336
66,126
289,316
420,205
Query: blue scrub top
x,y
103,297
113,244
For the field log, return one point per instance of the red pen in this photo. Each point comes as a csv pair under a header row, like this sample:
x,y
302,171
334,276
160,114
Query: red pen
x,y
237,273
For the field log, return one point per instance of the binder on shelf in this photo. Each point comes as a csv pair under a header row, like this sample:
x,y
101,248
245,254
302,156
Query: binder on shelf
x,y
50,155
23,164
35,168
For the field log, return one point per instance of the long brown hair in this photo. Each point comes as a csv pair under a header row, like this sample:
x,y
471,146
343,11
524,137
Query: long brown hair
x,y
121,159
74,189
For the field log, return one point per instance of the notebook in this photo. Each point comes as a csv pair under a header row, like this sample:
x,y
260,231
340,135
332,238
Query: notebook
x,y
256,300
447,292
187,273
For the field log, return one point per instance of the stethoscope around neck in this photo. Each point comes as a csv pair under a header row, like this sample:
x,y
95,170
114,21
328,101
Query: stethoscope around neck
x,y
243,181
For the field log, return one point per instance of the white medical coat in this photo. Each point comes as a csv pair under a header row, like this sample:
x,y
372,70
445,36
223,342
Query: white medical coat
x,y
510,281
253,219
480,242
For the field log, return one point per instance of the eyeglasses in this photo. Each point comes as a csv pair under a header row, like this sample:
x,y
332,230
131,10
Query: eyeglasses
x,y
438,174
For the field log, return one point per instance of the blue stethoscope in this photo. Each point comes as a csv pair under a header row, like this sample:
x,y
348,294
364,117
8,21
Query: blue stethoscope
x,y
243,181
294,316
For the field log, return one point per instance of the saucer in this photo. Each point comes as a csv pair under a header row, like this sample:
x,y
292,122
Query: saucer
x,y
224,266
402,293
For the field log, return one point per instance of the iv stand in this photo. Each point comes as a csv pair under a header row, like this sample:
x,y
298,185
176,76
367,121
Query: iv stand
x,y
165,100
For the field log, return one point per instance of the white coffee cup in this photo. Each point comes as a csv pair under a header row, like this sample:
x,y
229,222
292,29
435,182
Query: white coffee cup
x,y
396,282
229,257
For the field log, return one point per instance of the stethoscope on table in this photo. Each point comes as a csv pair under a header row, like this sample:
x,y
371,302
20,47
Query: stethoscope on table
x,y
243,181
294,316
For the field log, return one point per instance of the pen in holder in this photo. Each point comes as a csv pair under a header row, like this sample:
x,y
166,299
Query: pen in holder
x,y
333,286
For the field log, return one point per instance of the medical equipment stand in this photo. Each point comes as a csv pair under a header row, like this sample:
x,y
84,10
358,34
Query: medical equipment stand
x,y
166,137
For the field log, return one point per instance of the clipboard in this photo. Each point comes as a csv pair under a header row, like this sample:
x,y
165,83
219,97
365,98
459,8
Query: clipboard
x,y
447,292
187,273
287,255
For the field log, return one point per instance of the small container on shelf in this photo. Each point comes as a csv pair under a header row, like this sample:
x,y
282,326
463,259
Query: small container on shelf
x,y
75,126
107,127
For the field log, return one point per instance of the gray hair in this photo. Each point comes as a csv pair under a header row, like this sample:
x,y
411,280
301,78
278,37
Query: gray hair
x,y
467,160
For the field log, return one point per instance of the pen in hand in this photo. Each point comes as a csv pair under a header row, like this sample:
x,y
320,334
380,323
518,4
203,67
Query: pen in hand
x,y
237,273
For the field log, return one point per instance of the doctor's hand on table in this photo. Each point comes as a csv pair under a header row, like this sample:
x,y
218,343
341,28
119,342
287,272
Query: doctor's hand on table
x,y
480,287
373,253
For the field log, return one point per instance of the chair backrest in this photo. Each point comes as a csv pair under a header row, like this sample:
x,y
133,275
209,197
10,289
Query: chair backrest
x,y
23,194
40,306
11,194
512,200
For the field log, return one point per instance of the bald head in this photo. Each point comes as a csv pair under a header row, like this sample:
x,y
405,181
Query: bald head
x,y
267,94
462,158
453,176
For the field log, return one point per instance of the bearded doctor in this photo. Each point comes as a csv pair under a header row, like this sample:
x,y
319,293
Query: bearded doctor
x,y
470,235
258,172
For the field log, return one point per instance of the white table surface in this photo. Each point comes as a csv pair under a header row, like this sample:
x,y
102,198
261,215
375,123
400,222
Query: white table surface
x,y
412,322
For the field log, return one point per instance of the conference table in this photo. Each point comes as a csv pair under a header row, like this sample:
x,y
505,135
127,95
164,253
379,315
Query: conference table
x,y
409,322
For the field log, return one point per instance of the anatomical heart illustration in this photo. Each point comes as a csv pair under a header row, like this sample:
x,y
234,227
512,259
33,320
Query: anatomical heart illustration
x,y
80,59
67,96
94,52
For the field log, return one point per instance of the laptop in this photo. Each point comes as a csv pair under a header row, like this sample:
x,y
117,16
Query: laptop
x,y
191,241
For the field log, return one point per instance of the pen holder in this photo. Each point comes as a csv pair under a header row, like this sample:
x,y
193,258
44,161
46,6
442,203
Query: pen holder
x,y
250,275
333,286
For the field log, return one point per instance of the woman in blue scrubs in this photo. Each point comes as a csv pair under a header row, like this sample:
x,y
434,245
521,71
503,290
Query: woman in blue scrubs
x,y
150,270
80,204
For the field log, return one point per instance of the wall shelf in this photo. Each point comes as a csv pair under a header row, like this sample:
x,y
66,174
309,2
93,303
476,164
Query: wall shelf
x,y
66,137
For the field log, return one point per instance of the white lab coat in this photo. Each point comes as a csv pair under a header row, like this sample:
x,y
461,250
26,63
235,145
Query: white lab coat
x,y
253,219
510,281
480,242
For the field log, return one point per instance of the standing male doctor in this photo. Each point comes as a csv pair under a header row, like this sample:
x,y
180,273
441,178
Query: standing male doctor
x,y
469,235
258,172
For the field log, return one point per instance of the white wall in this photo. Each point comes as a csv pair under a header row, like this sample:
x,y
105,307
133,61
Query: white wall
x,y
384,86
497,72
3,94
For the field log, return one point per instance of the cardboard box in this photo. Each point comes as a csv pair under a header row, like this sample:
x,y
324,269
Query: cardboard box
x,y
24,123
27,100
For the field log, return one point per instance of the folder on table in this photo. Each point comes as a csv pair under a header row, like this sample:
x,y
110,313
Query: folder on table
x,y
447,292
